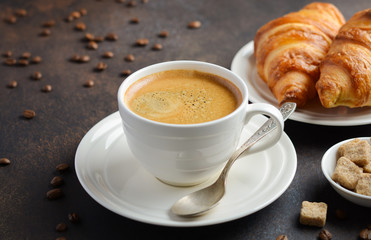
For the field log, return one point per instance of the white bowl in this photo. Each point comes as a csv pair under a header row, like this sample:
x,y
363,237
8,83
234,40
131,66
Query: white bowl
x,y
328,166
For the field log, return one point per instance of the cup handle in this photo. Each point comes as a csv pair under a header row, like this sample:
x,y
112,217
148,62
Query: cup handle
x,y
272,138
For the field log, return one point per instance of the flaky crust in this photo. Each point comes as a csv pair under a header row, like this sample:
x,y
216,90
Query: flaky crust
x,y
289,50
345,78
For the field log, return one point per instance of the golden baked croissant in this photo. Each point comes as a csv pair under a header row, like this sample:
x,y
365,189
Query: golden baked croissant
x,y
289,50
345,78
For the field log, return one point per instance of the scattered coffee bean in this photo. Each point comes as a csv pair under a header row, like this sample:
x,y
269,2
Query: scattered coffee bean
x,y
61,227
112,37
70,18
49,24
194,24
54,194
92,45
108,54
10,61
365,234
89,37
36,59
37,76
29,114
325,235
83,11
134,20
23,62
282,237
340,214
157,47
61,238
145,1
142,42
12,84
89,83
126,72
130,58
84,59
80,26
11,19
99,39
47,88
45,33
163,34
26,55
62,167
131,3
75,15
21,12
4,161
101,66
57,181
73,217
8,54
75,58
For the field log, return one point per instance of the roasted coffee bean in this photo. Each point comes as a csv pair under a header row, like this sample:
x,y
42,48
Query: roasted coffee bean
x,y
37,76
130,58
325,235
23,62
47,88
142,42
54,194
131,3
126,72
282,237
75,14
73,217
70,18
92,45
99,39
26,55
157,47
61,227
21,12
45,32
89,83
194,24
29,114
49,23
112,36
163,34
75,58
80,26
4,161
84,59
36,59
108,54
365,234
12,84
89,37
62,167
101,66
57,181
83,11
145,1
11,19
10,61
8,54
134,20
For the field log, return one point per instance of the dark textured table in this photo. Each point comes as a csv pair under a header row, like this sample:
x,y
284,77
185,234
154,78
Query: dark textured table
x,y
63,116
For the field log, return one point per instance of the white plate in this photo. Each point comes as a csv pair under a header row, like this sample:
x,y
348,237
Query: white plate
x,y
243,64
109,173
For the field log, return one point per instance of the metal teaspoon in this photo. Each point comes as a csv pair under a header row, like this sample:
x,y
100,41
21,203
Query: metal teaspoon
x,y
203,200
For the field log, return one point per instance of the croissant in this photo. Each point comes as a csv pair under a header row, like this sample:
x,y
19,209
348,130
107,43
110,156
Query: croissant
x,y
289,50
345,78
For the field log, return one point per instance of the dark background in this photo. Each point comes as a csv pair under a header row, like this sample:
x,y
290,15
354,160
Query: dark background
x,y
63,116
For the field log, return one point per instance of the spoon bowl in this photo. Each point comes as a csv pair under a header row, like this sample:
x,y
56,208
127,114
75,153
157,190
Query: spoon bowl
x,y
201,201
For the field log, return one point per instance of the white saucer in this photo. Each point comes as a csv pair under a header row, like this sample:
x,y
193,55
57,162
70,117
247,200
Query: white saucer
x,y
109,173
244,65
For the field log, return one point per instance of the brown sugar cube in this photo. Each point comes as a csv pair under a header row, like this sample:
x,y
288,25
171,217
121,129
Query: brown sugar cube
x,y
364,184
313,213
346,173
367,168
357,150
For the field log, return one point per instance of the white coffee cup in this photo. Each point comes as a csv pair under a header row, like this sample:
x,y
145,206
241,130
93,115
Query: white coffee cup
x,y
188,154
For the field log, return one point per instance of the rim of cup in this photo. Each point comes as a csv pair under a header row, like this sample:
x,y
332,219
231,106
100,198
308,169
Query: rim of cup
x,y
177,65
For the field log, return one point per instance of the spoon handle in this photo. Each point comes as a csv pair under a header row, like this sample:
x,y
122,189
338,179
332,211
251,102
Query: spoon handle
x,y
286,109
